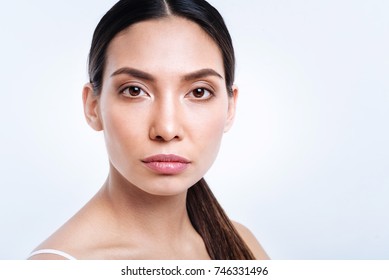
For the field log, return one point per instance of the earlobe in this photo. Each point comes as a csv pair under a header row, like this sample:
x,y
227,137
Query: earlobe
x,y
91,107
231,108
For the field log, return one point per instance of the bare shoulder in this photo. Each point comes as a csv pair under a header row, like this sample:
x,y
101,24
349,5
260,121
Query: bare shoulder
x,y
69,241
251,241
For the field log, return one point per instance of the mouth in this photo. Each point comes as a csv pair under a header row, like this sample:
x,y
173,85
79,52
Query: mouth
x,y
166,164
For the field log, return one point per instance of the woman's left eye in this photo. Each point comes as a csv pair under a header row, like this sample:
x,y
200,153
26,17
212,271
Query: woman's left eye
x,y
200,93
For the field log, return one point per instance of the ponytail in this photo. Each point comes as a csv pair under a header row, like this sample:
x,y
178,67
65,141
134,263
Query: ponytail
x,y
221,239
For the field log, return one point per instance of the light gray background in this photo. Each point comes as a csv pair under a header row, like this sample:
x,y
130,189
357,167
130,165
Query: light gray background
x,y
305,166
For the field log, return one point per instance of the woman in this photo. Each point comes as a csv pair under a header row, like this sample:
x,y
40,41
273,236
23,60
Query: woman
x,y
161,90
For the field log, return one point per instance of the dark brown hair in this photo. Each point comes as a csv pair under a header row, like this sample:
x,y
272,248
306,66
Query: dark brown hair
x,y
207,216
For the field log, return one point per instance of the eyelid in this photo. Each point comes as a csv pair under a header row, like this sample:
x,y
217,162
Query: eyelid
x,y
204,84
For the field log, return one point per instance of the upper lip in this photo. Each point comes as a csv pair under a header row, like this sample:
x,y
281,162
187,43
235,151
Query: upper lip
x,y
165,158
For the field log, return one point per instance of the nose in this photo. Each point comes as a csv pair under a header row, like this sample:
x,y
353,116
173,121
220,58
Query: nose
x,y
166,124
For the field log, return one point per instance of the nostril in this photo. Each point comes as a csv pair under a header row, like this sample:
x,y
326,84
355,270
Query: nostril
x,y
164,133
163,139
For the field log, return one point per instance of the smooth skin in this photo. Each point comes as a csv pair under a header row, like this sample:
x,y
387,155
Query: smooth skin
x,y
163,92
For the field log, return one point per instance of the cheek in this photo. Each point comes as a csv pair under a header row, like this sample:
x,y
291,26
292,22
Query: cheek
x,y
122,130
209,132
212,128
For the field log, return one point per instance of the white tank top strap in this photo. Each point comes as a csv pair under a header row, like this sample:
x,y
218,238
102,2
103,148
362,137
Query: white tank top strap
x,y
54,252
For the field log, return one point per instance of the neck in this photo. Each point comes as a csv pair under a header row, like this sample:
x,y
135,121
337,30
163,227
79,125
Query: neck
x,y
150,216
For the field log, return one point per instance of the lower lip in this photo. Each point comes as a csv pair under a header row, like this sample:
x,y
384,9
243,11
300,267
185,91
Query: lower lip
x,y
167,168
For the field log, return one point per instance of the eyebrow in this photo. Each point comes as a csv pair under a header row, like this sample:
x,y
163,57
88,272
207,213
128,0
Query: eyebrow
x,y
133,72
202,73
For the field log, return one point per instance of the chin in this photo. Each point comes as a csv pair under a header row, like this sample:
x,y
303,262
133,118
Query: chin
x,y
166,186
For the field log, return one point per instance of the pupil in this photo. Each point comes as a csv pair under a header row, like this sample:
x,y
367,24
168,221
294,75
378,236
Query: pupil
x,y
135,91
198,92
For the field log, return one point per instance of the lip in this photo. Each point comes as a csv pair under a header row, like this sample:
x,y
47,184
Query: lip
x,y
167,164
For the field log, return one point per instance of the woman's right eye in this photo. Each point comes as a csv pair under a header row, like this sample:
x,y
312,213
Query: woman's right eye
x,y
133,91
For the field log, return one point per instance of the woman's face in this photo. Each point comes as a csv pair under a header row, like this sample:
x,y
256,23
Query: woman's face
x,y
163,106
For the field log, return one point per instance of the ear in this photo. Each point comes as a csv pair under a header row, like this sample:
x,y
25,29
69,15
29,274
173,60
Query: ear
x,y
91,107
231,108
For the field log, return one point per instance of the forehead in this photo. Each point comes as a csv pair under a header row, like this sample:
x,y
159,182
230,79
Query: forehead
x,y
169,45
